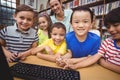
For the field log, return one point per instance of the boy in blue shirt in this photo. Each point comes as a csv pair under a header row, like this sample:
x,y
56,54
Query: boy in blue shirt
x,y
81,43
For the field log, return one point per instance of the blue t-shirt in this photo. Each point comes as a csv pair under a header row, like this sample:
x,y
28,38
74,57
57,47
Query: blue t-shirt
x,y
82,49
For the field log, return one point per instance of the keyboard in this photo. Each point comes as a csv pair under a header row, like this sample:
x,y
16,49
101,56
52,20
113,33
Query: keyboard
x,y
38,72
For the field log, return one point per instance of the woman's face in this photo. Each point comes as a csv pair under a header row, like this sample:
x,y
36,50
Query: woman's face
x,y
56,6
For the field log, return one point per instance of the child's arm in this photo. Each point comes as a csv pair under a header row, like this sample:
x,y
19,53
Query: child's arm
x,y
86,61
37,49
109,65
9,56
47,57
23,55
67,55
49,50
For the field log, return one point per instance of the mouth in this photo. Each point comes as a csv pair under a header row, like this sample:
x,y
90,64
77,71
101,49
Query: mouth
x,y
57,42
115,34
56,11
80,30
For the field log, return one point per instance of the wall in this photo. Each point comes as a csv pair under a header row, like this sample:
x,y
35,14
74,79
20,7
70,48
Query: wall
x,y
38,4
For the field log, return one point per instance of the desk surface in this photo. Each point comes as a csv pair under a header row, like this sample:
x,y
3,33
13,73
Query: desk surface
x,y
94,72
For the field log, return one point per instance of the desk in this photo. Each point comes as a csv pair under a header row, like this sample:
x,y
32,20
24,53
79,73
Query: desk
x,y
94,72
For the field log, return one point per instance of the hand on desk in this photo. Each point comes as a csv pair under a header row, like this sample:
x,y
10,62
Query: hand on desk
x,y
65,63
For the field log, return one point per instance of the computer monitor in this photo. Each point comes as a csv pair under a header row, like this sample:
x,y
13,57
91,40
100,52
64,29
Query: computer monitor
x,y
4,67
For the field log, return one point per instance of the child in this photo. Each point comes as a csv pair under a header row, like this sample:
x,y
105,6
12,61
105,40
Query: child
x,y
110,48
82,43
55,46
19,39
44,27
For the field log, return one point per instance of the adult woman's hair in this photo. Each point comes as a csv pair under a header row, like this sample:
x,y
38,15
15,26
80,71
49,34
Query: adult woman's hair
x,y
52,13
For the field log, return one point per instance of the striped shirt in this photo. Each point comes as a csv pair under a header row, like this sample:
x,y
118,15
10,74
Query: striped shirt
x,y
17,41
110,51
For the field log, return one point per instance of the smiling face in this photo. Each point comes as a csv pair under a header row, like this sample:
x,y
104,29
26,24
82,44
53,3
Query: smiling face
x,y
114,30
58,35
43,23
81,22
24,20
56,6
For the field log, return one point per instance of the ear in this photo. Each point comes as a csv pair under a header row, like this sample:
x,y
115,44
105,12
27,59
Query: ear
x,y
14,16
92,24
71,25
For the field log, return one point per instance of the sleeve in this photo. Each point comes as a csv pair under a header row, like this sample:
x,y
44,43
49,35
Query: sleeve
x,y
67,40
62,48
3,33
36,37
96,47
103,47
45,43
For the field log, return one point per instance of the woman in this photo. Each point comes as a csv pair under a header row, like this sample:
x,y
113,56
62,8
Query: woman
x,y
59,14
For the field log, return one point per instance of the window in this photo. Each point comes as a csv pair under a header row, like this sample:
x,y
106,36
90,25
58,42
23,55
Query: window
x,y
7,8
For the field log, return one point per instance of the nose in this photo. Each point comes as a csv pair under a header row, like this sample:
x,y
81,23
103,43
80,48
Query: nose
x,y
80,25
25,20
57,37
55,7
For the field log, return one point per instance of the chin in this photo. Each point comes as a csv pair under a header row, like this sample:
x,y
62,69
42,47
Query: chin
x,y
57,44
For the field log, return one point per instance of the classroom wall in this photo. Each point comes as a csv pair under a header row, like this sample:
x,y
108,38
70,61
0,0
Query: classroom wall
x,y
39,4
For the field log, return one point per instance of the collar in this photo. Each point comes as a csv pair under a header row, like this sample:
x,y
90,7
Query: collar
x,y
24,32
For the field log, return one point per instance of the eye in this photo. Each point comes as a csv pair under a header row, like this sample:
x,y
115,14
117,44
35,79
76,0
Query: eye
x,y
29,19
116,24
85,21
62,34
43,22
52,6
54,34
56,4
22,17
76,22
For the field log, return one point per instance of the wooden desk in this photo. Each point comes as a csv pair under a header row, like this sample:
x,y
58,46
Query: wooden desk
x,y
94,72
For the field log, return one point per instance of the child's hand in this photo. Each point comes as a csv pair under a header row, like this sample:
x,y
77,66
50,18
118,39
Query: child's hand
x,y
69,64
23,55
11,56
59,61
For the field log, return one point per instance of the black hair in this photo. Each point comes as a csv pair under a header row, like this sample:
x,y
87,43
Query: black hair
x,y
58,25
112,17
82,8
